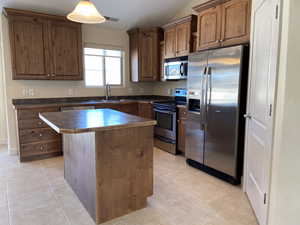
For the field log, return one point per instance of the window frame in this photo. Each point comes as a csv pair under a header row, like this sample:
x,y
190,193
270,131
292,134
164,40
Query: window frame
x,y
122,64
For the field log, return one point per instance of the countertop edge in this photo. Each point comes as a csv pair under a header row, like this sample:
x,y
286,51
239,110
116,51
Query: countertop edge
x,y
96,129
49,123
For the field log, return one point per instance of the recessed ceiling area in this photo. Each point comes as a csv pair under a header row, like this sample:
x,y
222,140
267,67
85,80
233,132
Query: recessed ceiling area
x,y
131,13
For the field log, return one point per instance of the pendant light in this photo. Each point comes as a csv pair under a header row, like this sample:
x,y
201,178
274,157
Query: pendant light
x,y
86,12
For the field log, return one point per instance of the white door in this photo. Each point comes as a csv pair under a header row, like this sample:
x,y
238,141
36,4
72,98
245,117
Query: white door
x,y
259,133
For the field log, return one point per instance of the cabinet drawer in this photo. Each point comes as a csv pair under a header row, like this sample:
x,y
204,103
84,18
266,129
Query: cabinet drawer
x,y
182,113
33,113
31,124
41,148
36,135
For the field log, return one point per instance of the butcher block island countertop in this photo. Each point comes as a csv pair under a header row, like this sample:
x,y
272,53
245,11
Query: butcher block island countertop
x,y
108,159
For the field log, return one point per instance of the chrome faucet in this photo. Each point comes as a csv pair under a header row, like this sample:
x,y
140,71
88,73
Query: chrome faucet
x,y
107,91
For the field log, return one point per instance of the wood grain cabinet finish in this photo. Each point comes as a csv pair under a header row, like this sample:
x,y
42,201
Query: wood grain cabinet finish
x,y
146,110
209,28
170,42
44,47
36,139
235,22
223,23
66,50
182,117
178,36
144,54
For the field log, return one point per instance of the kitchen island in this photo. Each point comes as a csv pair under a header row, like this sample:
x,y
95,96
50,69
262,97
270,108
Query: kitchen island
x,y
108,159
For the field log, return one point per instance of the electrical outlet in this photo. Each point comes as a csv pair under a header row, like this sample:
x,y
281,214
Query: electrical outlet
x,y
30,92
170,91
70,92
24,92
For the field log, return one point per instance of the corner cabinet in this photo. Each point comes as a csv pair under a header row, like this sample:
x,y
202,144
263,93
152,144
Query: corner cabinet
x,y
44,47
145,54
178,36
223,23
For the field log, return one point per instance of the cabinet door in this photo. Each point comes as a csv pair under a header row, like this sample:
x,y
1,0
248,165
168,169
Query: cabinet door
x,y
209,28
29,50
146,110
66,51
235,22
149,61
181,135
170,42
183,38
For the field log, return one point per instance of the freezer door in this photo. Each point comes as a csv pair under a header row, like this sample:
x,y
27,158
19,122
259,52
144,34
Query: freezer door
x,y
194,143
222,109
196,69
196,98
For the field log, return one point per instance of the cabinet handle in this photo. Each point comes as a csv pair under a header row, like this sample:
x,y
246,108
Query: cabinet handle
x,y
53,75
39,123
41,135
48,75
41,148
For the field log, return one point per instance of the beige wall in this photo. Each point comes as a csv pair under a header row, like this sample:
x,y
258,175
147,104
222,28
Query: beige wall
x,y
3,125
45,89
285,186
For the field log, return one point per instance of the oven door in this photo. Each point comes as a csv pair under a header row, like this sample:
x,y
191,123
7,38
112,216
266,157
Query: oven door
x,y
166,124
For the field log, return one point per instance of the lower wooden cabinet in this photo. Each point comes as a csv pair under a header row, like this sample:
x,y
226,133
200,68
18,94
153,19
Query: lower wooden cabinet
x,y
36,139
182,117
146,110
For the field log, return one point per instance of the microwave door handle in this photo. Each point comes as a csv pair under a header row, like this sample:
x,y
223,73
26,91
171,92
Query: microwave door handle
x,y
181,69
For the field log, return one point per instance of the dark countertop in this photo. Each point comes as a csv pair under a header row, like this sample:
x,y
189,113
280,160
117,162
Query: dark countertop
x,y
83,101
81,121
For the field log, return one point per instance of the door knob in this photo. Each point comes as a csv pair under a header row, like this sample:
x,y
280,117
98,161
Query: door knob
x,y
247,116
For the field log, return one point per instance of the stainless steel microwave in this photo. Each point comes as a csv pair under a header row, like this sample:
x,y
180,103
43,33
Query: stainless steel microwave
x,y
177,70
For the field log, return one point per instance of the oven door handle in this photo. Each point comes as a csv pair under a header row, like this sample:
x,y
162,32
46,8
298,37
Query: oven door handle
x,y
164,111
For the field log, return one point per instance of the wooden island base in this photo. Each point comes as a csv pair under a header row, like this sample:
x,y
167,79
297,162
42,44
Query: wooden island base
x,y
111,171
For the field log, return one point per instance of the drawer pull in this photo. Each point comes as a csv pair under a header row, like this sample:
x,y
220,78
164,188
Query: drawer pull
x,y
40,123
41,148
41,135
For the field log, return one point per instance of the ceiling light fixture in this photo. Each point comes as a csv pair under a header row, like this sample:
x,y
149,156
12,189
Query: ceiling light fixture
x,y
86,12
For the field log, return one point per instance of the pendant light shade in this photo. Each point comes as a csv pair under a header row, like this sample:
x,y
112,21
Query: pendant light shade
x,y
86,12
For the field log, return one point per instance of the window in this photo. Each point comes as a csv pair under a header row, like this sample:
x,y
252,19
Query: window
x,y
103,66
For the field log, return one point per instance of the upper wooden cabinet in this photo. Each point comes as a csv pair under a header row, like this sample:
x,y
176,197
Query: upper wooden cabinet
x,y
44,47
209,28
236,22
223,23
66,50
145,54
170,42
178,36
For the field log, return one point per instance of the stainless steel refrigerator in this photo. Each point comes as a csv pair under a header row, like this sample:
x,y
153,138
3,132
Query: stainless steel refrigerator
x,y
217,90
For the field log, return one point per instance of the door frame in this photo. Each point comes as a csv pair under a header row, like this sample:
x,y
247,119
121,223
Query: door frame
x,y
272,95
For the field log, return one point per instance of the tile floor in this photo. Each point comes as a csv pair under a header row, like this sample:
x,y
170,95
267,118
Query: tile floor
x,y
35,193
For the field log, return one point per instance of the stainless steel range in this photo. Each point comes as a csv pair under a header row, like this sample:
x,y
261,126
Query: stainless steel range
x,y
166,116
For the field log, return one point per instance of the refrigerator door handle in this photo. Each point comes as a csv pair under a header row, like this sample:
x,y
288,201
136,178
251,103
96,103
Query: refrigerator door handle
x,y
203,97
209,74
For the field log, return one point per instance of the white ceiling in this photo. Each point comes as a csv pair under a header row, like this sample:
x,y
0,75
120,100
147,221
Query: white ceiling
x,y
131,13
